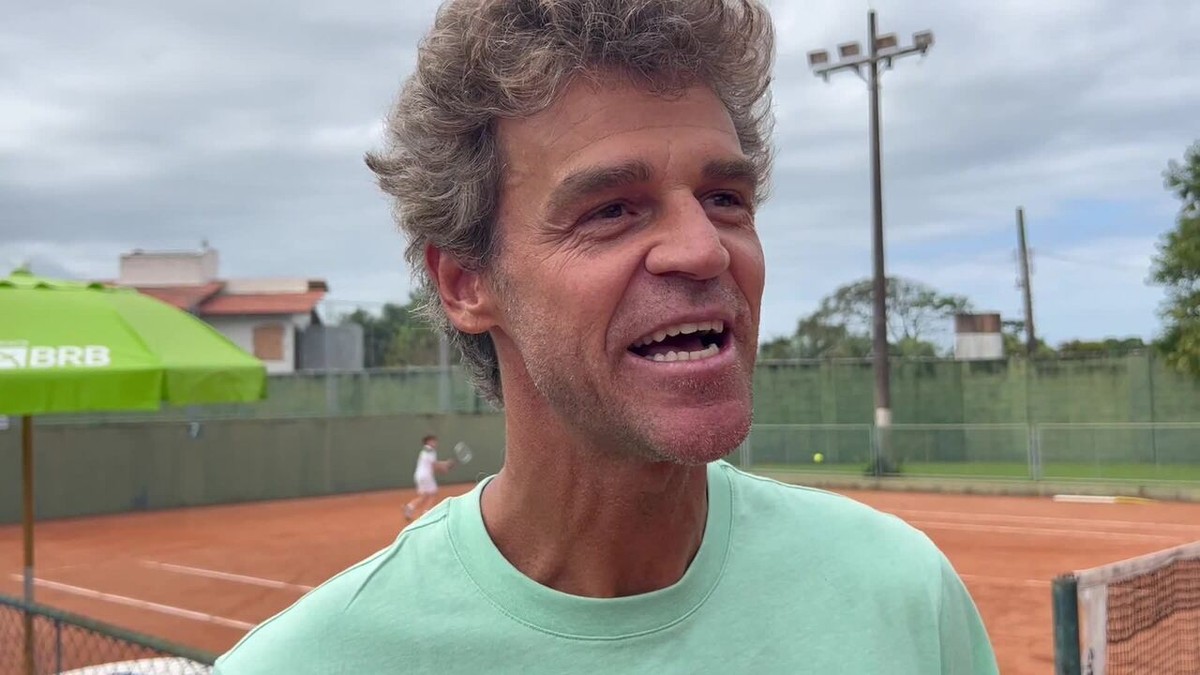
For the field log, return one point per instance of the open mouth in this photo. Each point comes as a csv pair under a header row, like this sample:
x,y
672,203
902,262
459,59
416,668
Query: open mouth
x,y
683,342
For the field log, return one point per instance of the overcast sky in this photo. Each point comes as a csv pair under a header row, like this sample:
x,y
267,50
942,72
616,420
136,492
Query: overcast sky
x,y
148,124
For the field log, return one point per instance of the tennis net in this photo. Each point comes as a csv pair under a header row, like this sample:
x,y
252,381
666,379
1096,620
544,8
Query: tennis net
x,y
1135,617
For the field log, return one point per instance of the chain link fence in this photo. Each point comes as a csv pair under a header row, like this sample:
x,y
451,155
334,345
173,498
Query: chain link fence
x,y
1136,453
39,640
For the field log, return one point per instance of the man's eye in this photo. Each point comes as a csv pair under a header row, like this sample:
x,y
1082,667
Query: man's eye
x,y
609,212
725,199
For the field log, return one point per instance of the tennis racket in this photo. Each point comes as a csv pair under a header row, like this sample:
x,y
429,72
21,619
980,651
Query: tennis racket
x,y
462,452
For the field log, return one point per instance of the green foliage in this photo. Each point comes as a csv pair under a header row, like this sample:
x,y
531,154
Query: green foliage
x,y
915,310
1177,267
1106,347
1013,333
396,336
841,326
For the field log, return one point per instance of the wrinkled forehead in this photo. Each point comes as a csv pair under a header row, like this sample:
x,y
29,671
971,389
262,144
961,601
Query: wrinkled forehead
x,y
595,118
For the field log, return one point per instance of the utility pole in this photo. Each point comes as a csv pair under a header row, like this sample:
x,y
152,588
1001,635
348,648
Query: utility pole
x,y
1026,287
882,52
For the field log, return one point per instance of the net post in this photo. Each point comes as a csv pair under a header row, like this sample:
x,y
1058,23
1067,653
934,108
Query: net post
x,y
1066,625
30,654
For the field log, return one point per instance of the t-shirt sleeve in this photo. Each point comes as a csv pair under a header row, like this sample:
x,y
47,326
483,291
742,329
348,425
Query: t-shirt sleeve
x,y
966,649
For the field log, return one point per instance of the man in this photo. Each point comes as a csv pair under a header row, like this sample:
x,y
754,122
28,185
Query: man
x,y
424,476
579,180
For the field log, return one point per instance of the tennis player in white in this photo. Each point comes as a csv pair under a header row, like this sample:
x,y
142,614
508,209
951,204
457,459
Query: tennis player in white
x,y
425,477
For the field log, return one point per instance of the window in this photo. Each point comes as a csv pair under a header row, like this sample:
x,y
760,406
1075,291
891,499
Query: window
x,y
268,342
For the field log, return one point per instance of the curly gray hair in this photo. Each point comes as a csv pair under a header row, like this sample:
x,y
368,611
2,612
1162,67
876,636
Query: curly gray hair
x,y
486,60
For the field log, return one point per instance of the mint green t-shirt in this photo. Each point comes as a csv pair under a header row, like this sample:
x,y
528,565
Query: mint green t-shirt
x,y
787,580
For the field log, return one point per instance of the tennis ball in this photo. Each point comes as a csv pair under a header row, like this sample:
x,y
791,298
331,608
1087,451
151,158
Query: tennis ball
x,y
818,458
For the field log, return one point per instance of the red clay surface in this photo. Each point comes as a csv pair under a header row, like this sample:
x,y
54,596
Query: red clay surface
x,y
201,577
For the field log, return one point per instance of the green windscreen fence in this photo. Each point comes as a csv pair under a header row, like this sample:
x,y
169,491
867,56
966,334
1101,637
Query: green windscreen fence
x,y
1111,419
1139,388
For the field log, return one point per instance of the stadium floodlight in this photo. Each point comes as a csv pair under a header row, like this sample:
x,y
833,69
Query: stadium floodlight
x,y
882,52
849,50
885,42
923,40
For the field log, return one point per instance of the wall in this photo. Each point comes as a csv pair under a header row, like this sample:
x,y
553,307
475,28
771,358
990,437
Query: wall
x,y
167,269
117,467
240,329
269,285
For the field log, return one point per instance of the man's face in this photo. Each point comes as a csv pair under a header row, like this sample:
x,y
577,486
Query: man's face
x,y
630,272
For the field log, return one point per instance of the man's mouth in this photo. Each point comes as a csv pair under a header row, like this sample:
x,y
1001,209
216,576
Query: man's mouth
x,y
682,342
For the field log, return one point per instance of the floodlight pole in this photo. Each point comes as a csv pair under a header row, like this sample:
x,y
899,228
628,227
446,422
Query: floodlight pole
x,y
879,51
883,388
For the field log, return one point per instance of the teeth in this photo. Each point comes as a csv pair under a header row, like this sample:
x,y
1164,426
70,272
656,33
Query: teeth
x,y
711,350
682,329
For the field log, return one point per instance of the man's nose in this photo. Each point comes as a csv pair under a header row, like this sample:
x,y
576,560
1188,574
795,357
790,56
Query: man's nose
x,y
687,244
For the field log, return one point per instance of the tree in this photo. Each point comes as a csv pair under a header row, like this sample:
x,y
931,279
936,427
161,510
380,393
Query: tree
x,y
1177,266
396,337
1108,347
841,326
1013,333
816,339
916,311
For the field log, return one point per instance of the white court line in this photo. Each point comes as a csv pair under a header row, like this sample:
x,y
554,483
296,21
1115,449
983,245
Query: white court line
x,y
1046,520
1076,534
1005,581
226,576
140,604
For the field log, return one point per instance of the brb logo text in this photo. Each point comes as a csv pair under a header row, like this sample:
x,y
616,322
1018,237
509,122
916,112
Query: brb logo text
x,y
14,355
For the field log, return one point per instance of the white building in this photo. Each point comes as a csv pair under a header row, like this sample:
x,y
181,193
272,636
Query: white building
x,y
265,317
978,337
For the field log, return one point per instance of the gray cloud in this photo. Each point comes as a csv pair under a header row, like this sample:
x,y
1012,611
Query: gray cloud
x,y
157,125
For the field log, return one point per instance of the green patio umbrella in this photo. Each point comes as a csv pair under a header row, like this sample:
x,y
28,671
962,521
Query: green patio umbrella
x,y
69,347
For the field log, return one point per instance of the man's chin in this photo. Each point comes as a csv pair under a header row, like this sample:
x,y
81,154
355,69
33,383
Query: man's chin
x,y
701,436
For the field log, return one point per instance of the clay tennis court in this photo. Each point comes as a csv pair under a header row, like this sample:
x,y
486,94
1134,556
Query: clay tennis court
x,y
202,577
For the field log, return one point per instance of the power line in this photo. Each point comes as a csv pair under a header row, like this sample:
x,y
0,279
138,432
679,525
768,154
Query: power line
x,y
1089,262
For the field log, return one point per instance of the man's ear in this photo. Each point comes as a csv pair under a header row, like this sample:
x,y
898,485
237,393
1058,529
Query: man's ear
x,y
467,300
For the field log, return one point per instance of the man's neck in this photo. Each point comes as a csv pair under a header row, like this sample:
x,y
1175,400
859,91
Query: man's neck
x,y
591,524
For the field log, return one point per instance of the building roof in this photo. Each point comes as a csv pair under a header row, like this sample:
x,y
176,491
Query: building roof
x,y
187,298
214,298
262,303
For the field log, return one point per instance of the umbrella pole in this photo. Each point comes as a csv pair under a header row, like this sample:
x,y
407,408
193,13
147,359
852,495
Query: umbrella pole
x,y
27,479
27,510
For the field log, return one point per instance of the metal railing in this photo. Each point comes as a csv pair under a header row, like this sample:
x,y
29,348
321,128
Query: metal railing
x,y
40,640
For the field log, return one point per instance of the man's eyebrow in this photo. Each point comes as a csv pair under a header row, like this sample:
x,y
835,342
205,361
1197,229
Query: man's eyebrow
x,y
739,169
590,180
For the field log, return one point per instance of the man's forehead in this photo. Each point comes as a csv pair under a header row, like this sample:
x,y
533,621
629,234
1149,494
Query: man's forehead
x,y
587,115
